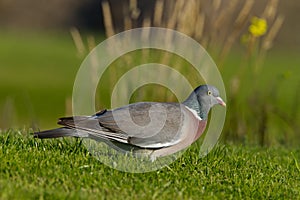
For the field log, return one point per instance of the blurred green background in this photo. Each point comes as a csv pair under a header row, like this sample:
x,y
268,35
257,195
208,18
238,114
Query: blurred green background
x,y
39,58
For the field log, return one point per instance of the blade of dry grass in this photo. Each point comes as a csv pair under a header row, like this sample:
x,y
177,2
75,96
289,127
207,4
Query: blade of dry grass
x,y
108,22
81,50
239,24
158,13
270,10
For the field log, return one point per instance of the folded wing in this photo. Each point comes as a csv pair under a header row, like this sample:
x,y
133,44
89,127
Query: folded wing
x,y
145,124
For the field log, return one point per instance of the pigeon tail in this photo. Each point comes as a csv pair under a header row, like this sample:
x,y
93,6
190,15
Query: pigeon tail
x,y
59,132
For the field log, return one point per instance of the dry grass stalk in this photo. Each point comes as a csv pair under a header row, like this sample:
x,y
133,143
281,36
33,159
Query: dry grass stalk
x,y
158,12
127,23
134,10
91,42
268,40
186,19
133,4
199,28
147,22
244,14
239,24
216,4
78,42
145,36
93,59
269,14
109,28
172,20
270,10
222,18
171,24
225,14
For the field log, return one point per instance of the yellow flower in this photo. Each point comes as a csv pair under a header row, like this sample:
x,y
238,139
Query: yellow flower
x,y
258,27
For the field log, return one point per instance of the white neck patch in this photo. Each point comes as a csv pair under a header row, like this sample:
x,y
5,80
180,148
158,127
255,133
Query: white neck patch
x,y
194,113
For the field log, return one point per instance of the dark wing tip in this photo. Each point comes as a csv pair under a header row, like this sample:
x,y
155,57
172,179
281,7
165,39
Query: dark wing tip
x,y
101,112
65,121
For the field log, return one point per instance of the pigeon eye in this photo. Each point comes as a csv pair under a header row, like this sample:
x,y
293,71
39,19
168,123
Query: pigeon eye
x,y
208,92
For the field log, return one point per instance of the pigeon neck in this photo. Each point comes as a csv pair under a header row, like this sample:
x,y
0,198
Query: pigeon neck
x,y
194,104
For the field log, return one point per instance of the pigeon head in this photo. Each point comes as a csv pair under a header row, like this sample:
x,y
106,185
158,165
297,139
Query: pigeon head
x,y
208,95
203,98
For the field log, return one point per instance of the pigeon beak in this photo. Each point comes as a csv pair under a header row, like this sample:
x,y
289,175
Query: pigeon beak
x,y
220,101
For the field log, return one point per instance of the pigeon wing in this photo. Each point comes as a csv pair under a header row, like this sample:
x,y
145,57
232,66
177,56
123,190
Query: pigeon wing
x,y
145,124
148,124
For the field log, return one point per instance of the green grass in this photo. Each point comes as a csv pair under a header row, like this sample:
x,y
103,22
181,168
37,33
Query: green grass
x,y
64,169
37,72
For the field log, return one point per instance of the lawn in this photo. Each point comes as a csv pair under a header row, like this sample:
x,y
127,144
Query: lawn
x,y
64,169
37,72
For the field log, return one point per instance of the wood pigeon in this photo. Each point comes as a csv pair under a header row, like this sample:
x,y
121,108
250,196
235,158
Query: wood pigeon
x,y
159,128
